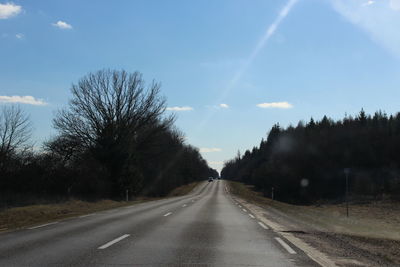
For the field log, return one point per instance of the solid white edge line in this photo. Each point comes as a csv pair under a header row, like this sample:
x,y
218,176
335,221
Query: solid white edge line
x,y
87,215
42,225
112,242
286,246
167,214
251,215
263,225
314,254
244,210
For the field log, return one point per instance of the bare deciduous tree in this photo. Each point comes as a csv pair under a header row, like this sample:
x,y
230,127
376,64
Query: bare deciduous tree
x,y
111,104
15,129
110,114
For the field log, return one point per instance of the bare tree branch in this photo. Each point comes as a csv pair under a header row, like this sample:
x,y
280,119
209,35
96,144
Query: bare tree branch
x,y
15,129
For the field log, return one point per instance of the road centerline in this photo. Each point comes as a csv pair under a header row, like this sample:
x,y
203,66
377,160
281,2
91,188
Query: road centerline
x,y
112,242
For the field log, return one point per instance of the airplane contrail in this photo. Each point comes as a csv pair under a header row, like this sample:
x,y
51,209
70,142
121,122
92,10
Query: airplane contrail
x,y
259,46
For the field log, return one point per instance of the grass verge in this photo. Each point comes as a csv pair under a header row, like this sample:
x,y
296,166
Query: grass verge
x,y
375,219
370,236
19,217
183,190
26,216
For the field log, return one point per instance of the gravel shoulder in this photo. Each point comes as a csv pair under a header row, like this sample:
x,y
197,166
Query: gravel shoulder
x,y
369,237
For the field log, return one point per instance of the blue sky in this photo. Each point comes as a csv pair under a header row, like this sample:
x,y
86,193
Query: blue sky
x,y
266,61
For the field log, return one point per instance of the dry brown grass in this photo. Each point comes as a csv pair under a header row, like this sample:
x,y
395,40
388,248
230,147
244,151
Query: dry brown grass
x,y
183,190
14,218
373,220
26,216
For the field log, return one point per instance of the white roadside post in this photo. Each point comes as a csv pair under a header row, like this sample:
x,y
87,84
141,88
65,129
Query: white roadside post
x,y
347,172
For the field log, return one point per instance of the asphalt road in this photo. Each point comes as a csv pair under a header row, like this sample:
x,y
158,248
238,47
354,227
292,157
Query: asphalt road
x,y
204,228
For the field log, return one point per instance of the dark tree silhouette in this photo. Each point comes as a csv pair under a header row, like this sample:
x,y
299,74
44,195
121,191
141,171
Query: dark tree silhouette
x,y
114,136
109,114
305,163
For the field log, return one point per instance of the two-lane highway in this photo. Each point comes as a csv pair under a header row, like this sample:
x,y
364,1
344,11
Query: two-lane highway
x,y
204,228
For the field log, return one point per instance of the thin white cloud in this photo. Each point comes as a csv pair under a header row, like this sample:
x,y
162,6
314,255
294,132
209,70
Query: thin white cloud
x,y
9,10
30,100
184,108
217,107
275,105
381,22
210,149
368,3
62,25
19,36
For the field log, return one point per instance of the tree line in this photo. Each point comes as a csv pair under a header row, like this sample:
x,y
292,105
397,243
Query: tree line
x,y
113,137
306,163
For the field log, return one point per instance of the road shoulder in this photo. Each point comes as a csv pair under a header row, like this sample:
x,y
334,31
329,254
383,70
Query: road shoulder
x,y
324,247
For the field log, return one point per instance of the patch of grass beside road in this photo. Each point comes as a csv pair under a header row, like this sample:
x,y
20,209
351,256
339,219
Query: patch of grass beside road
x,y
378,219
19,217
183,190
369,237
15,218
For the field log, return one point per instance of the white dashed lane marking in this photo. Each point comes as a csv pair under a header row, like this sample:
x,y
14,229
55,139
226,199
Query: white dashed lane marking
x,y
112,242
263,225
167,214
286,246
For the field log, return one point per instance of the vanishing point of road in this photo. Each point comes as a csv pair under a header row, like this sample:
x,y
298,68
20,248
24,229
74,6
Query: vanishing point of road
x,y
204,228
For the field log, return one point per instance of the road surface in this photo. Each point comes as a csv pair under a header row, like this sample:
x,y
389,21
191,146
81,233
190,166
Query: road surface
x,y
204,228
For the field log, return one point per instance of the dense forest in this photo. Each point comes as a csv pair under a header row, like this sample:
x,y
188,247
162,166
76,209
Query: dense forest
x,y
113,137
306,163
